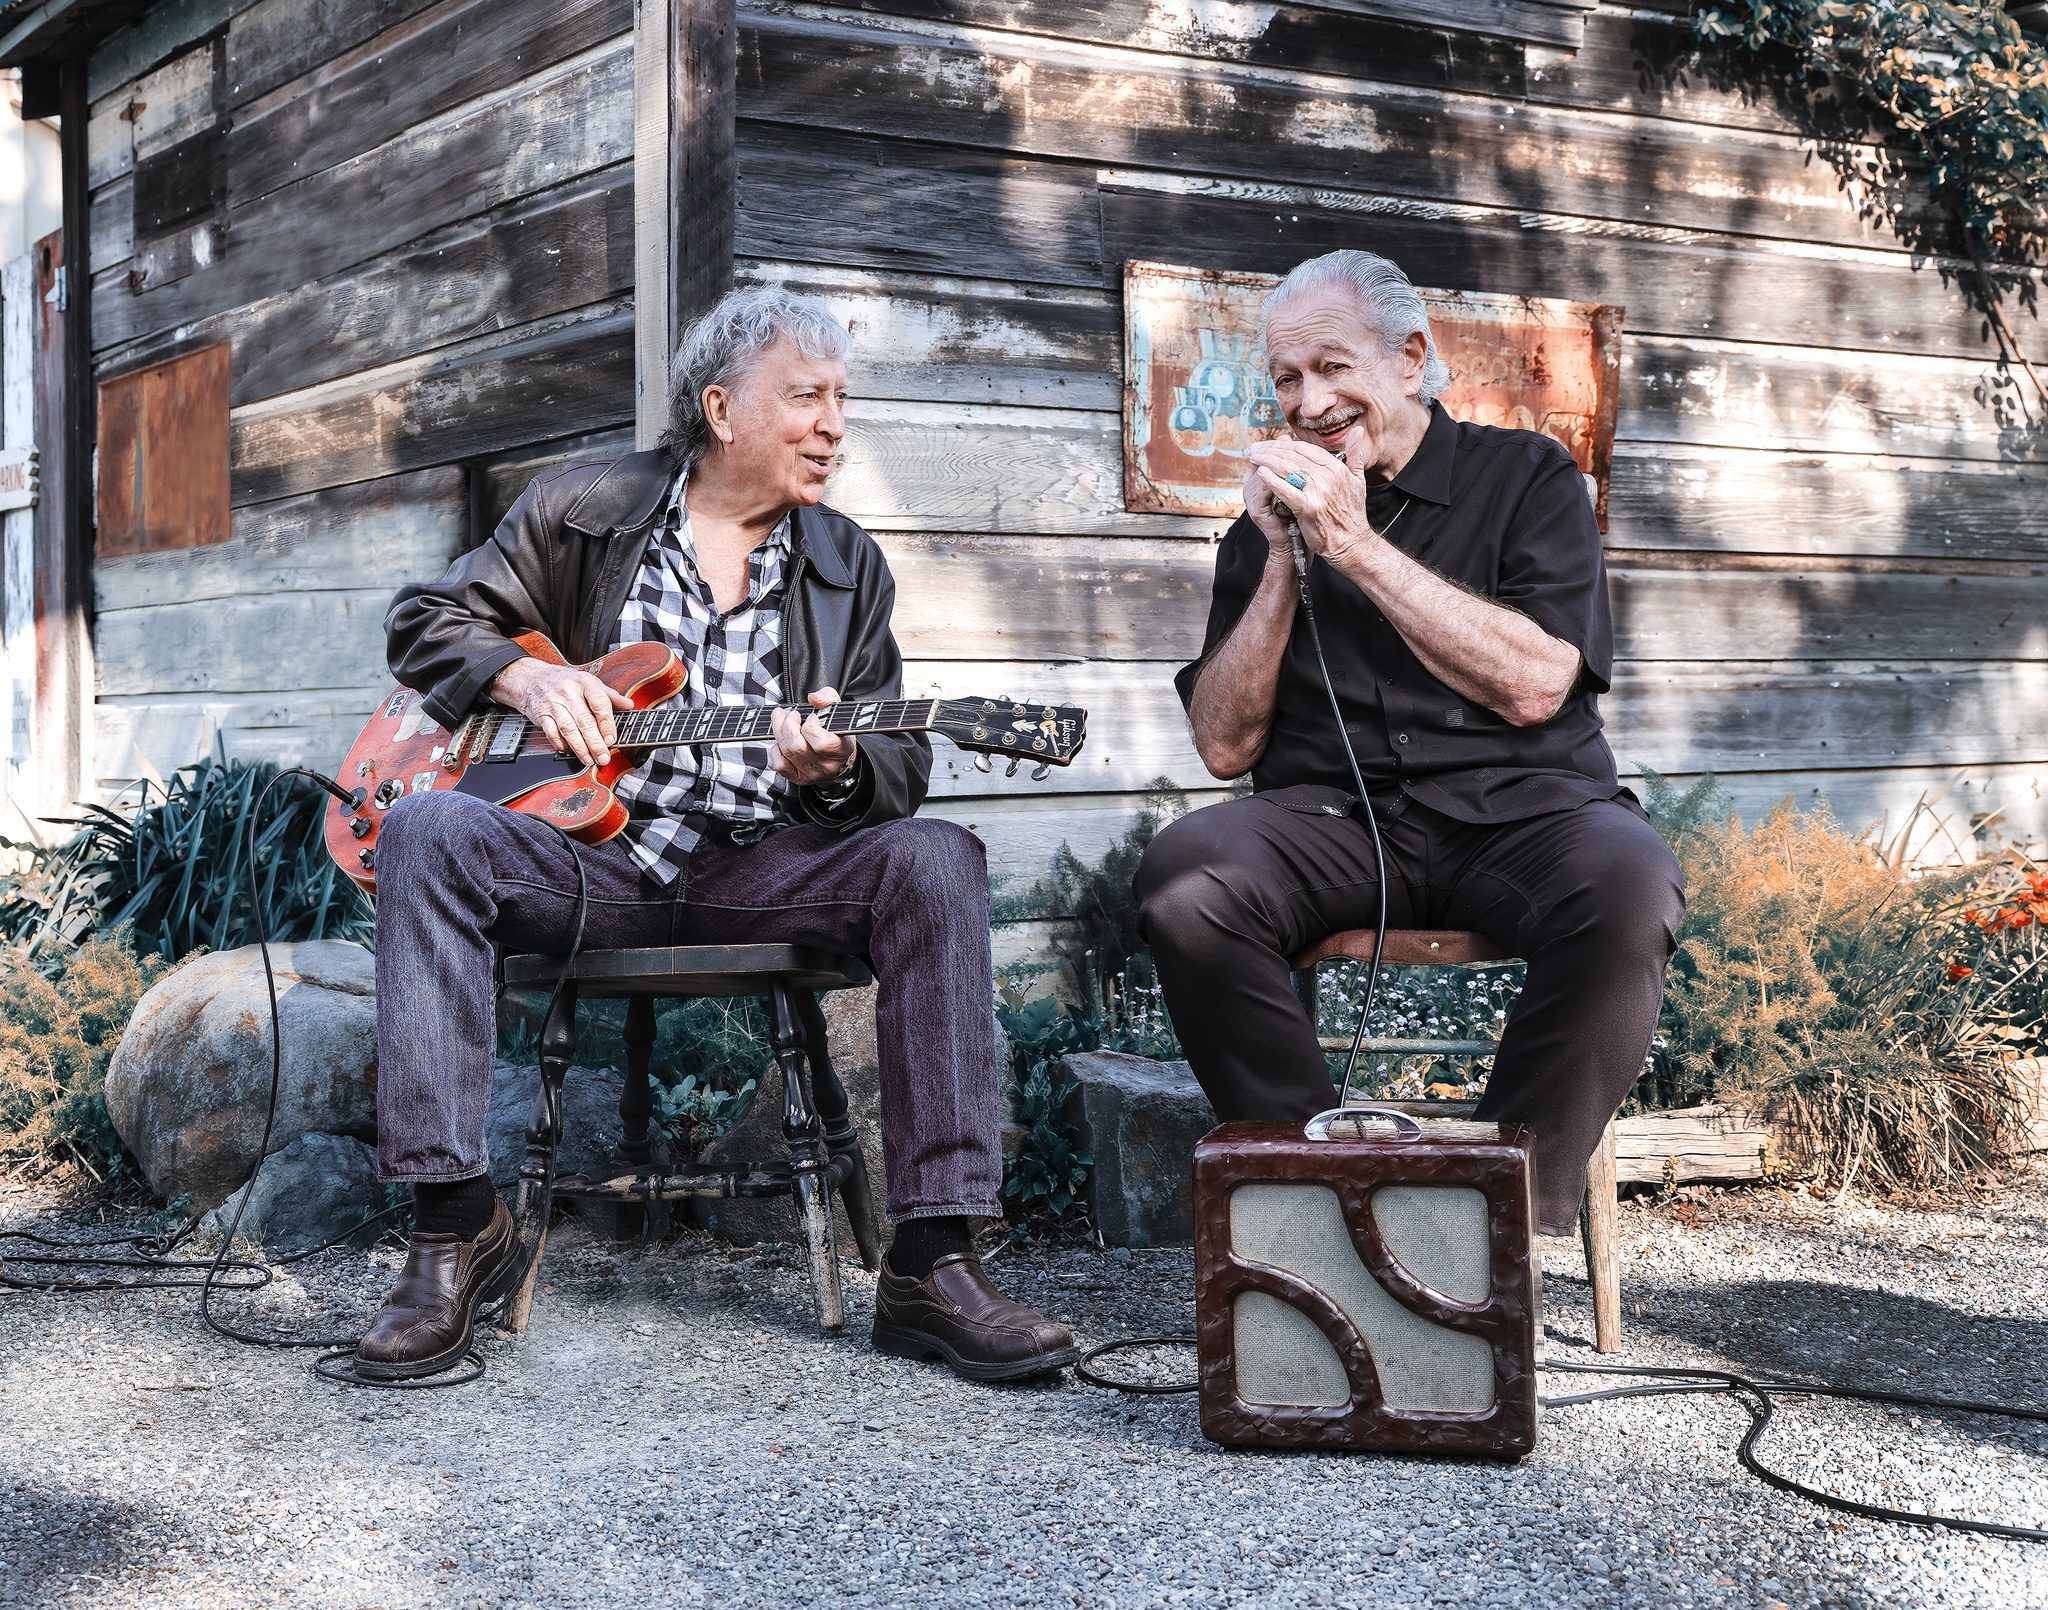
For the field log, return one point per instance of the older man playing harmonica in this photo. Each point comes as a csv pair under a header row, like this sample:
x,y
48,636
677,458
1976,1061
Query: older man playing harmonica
x,y
1458,577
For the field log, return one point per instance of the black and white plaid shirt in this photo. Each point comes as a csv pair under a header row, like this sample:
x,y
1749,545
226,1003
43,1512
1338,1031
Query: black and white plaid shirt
x,y
733,658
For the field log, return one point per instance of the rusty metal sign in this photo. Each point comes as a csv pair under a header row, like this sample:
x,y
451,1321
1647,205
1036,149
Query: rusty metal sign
x,y
1196,391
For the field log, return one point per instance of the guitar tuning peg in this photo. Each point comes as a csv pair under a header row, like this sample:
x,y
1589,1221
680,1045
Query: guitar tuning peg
x,y
1011,769
982,762
1040,772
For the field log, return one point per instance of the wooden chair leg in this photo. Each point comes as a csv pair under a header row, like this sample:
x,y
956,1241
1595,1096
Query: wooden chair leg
x,y
1603,1261
533,1202
842,1142
810,1173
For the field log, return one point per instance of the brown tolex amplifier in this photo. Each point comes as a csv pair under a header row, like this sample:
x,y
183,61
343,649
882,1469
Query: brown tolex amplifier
x,y
1366,1282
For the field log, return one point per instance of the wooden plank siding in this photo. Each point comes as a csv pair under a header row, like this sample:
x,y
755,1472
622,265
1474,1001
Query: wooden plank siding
x,y
1828,546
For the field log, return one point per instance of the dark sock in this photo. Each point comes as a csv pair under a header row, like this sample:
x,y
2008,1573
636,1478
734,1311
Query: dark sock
x,y
460,1208
920,1243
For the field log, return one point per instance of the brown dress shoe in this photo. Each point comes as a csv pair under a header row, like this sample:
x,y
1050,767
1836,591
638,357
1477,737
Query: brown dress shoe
x,y
424,1325
955,1314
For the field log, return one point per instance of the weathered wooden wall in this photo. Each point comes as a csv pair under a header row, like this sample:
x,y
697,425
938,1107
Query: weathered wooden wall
x,y
1828,545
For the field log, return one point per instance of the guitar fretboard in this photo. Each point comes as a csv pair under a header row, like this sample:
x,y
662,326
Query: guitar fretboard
x,y
753,723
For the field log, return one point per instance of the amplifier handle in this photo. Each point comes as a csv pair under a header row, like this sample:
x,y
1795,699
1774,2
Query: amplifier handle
x,y
1388,1123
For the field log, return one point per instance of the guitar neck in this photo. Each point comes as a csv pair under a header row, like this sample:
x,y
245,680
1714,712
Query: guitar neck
x,y
668,726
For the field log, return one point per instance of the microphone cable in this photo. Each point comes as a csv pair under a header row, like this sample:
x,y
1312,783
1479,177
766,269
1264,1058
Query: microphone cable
x,y
1758,1399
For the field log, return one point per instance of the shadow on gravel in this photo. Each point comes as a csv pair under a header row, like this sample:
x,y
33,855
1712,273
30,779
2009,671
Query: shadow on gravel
x,y
60,1541
1856,1336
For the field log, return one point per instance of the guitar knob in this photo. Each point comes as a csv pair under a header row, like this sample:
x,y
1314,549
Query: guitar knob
x,y
1040,772
982,762
368,859
360,826
1011,769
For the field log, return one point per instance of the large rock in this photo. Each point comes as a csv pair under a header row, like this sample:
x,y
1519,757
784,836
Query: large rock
x,y
591,1131
316,1190
189,1083
757,1137
1141,1120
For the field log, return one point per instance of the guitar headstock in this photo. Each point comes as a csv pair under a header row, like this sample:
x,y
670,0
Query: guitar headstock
x,y
1045,734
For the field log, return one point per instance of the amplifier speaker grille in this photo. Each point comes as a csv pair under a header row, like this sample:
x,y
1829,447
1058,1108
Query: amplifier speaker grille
x,y
1371,1293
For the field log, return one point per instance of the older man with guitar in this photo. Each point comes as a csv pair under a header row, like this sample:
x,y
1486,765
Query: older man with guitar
x,y
715,547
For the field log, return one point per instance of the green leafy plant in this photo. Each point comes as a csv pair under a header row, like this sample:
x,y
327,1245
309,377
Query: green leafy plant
x,y
1961,87
1099,938
1044,1174
172,870
695,1114
58,1029
705,1051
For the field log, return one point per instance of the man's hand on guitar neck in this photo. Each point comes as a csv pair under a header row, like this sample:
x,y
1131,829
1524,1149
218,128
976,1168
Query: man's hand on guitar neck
x,y
571,707
805,752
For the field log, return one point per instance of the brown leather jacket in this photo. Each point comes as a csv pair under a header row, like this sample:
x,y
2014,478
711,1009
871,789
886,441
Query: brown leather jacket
x,y
561,561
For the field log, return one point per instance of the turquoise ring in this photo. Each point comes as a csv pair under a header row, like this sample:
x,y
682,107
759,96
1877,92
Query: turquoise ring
x,y
1294,480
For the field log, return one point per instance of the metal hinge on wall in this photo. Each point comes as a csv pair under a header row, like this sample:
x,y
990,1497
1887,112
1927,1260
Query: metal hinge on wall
x,y
60,291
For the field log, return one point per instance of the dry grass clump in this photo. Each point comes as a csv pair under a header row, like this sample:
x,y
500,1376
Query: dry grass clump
x,y
58,1031
1820,978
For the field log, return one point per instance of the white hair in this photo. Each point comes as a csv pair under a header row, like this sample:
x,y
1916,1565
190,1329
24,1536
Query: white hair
x,y
722,344
1391,305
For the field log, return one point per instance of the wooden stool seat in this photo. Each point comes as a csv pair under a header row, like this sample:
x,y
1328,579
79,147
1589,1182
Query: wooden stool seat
x,y
824,1149
1452,947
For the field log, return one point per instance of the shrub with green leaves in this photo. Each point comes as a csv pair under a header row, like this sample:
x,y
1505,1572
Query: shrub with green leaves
x,y
58,1029
1043,1177
171,869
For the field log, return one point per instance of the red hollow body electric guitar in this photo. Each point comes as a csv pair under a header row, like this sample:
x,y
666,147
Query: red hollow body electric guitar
x,y
498,755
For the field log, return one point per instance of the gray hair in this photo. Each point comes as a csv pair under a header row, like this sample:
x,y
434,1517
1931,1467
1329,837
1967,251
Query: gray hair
x,y
721,345
1391,305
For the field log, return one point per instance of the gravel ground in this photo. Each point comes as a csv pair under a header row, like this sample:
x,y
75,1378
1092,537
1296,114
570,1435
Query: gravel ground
x,y
672,1431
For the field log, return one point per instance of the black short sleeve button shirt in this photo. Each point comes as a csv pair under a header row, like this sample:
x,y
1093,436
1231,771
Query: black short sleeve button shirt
x,y
1505,514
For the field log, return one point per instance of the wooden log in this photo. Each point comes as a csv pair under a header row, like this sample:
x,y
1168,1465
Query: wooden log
x,y
110,139
1148,599
1024,97
375,534
1354,40
113,223
967,340
238,644
163,30
812,195
174,102
276,41
965,467
475,398
1691,1145
149,737
1602,1258
1754,500
1745,717
563,249
545,130
1674,282
451,53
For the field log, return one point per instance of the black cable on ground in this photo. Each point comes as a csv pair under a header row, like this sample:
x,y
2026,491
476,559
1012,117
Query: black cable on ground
x,y
1758,1400
153,1252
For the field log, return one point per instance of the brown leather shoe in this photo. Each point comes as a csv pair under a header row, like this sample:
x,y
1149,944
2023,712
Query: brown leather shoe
x,y
955,1314
424,1325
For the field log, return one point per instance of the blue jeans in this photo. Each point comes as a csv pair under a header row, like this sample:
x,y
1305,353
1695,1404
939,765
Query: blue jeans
x,y
456,876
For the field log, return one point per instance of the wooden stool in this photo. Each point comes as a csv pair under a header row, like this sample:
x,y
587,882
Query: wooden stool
x,y
1421,947
824,1150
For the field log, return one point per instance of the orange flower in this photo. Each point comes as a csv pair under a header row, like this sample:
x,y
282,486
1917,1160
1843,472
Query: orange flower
x,y
2018,919
1956,970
